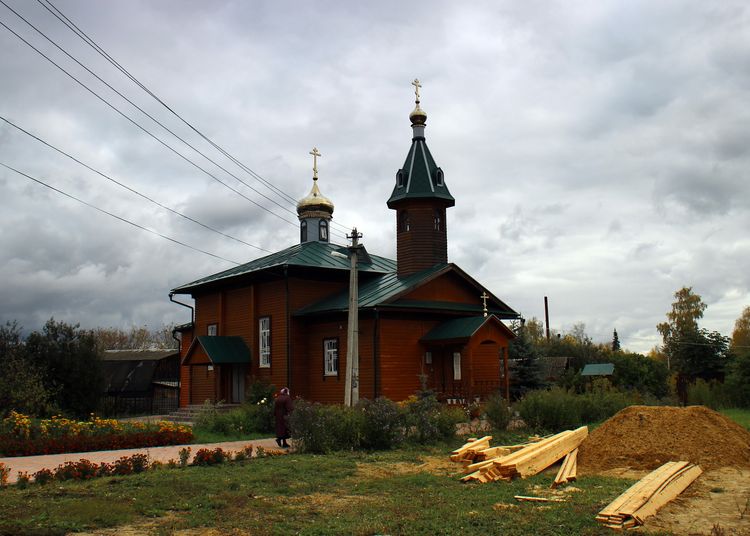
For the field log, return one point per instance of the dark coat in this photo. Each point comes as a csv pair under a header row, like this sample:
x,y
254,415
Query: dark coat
x,y
282,407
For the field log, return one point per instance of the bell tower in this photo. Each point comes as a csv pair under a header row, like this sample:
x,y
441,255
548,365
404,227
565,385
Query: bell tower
x,y
420,199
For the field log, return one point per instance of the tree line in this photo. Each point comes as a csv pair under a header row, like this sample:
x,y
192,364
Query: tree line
x,y
58,369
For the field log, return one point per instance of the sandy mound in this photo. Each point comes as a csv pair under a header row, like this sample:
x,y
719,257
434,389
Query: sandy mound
x,y
645,437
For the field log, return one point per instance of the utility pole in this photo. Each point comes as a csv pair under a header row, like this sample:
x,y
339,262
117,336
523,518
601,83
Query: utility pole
x,y
351,393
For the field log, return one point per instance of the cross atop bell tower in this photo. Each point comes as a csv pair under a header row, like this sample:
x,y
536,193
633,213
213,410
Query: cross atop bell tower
x,y
420,198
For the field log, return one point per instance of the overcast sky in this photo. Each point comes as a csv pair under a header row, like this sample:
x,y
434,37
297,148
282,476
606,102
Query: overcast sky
x,y
598,152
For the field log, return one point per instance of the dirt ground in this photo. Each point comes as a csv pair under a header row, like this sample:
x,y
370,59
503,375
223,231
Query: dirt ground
x,y
719,498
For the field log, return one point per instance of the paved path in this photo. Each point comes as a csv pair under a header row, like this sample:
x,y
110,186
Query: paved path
x,y
32,464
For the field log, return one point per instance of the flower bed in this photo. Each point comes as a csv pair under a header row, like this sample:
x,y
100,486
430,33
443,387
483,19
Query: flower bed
x,y
23,436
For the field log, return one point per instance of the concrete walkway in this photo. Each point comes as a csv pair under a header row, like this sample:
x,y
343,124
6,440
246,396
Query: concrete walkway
x,y
32,464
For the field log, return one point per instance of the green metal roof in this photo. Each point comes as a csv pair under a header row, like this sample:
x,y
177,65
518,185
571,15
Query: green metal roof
x,y
598,369
419,177
309,254
373,292
222,350
460,328
383,290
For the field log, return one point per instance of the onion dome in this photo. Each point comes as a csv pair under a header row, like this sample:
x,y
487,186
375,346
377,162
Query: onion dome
x,y
418,116
314,202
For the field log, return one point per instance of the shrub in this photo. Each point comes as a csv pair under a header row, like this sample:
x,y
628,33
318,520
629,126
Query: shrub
x,y
184,456
23,479
553,410
383,424
497,412
321,429
429,421
43,476
4,473
209,457
80,470
601,401
711,394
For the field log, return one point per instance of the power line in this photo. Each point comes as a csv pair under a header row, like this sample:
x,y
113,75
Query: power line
x,y
57,13
116,216
138,125
132,190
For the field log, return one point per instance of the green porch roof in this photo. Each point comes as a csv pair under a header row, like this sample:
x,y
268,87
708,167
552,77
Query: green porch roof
x,y
384,291
309,254
598,369
222,350
460,328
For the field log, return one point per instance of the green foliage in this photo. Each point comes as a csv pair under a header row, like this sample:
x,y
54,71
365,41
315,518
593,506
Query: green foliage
x,y
253,416
497,412
615,342
383,426
319,428
553,410
712,394
640,373
22,383
525,373
559,409
429,421
698,353
70,363
738,379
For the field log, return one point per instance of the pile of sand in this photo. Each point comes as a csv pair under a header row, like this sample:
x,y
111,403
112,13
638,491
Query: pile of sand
x,y
645,437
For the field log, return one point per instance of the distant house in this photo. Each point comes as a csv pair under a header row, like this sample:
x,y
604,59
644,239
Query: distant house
x,y
141,381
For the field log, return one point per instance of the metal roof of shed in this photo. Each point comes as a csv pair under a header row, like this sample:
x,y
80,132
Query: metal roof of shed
x,y
598,369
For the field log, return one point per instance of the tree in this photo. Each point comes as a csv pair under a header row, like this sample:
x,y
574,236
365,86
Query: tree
x,y
69,360
741,333
21,383
526,373
615,342
687,309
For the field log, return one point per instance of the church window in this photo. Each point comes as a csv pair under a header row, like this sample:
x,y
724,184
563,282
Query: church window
x,y
403,221
264,341
428,358
323,231
331,356
438,220
400,178
303,232
439,179
456,366
213,330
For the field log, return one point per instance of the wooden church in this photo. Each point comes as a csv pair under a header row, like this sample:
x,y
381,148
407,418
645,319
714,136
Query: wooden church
x,y
423,323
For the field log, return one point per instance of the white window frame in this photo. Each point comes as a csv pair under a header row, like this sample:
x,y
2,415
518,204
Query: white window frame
x,y
331,357
457,366
212,330
264,342
428,358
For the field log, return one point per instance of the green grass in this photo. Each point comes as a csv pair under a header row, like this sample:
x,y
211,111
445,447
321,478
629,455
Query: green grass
x,y
201,435
346,493
739,415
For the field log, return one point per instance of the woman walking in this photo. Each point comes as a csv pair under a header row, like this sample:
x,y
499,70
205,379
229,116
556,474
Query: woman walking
x,y
282,407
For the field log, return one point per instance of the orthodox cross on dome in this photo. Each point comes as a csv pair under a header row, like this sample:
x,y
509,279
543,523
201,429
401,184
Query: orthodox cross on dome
x,y
484,297
416,85
315,153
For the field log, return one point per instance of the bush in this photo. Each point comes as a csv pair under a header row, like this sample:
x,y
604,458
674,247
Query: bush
x,y
711,394
553,410
252,416
601,401
738,380
429,421
383,426
321,429
497,412
210,457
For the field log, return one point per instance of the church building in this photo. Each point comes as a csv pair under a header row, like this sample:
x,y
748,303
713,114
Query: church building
x,y
423,323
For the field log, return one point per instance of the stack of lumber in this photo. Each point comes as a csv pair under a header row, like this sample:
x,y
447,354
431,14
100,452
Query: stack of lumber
x,y
469,451
568,469
529,460
648,495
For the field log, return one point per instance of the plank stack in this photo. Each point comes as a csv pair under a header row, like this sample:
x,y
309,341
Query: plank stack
x,y
529,460
648,495
568,469
471,449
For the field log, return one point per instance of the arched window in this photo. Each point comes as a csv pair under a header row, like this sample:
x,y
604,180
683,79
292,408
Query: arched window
x,y
439,178
303,232
400,178
323,233
403,221
438,219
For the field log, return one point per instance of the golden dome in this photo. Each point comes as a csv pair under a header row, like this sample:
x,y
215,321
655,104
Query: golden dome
x,y
315,201
418,116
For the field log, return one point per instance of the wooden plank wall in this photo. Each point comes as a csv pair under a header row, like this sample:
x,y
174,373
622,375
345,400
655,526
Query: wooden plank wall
x,y
448,287
202,385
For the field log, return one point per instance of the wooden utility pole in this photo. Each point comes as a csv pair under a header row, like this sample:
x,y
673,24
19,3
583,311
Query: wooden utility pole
x,y
351,393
